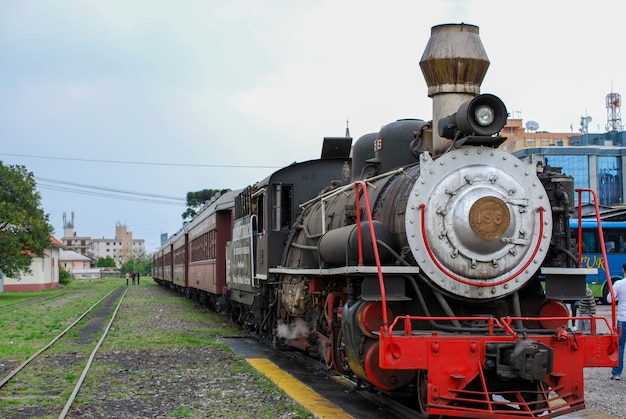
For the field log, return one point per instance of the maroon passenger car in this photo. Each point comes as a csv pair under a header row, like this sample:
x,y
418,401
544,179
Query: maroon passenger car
x,y
193,261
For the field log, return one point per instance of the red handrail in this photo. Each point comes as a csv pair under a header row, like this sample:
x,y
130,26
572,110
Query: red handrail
x,y
603,249
493,323
368,210
457,278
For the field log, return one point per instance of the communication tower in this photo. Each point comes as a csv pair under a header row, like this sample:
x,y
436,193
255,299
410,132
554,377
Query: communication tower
x,y
613,112
68,226
66,223
584,124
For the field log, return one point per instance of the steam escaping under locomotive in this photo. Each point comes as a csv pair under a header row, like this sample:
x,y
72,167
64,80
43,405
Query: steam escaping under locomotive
x,y
422,261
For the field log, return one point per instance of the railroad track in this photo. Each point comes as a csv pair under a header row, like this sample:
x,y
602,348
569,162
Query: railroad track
x,y
49,373
18,305
396,407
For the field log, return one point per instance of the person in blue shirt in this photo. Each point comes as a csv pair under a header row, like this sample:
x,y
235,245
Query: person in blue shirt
x,y
619,289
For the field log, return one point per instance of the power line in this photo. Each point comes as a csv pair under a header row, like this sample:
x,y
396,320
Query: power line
x,y
143,163
63,182
104,195
90,190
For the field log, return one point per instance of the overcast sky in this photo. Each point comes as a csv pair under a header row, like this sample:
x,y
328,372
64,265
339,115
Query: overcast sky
x,y
164,97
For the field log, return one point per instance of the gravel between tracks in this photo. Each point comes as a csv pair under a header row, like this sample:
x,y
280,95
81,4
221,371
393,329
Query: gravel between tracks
x,y
178,381
172,384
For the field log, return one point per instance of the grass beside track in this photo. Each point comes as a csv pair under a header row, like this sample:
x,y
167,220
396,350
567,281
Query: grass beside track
x,y
137,318
143,324
26,330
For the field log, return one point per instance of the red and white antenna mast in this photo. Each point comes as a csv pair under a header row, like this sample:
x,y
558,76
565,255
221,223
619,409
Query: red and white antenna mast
x,y
613,112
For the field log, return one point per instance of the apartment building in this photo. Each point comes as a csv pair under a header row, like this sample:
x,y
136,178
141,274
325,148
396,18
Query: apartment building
x,y
121,247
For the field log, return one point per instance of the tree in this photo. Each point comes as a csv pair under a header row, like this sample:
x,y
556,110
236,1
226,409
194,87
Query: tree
x,y
24,227
196,199
107,262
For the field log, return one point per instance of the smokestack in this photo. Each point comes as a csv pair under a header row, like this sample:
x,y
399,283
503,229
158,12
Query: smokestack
x,y
454,65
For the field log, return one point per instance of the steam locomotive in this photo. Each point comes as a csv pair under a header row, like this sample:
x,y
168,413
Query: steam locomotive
x,y
423,261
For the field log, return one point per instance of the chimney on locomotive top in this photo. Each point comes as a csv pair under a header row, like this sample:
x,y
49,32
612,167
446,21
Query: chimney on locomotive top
x,y
454,65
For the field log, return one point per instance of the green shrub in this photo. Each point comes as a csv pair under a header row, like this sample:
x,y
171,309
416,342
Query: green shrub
x,y
64,276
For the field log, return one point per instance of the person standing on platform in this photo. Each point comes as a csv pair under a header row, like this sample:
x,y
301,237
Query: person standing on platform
x,y
619,289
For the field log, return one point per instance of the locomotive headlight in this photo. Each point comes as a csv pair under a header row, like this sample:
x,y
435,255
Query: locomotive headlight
x,y
484,115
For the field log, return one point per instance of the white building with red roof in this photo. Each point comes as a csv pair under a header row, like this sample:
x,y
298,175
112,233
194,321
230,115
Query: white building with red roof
x,y
44,272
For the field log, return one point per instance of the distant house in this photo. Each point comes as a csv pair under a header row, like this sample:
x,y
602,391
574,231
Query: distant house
x,y
71,260
79,266
95,273
44,272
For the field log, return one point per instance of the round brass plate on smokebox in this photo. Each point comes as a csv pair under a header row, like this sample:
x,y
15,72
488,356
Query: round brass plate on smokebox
x,y
489,217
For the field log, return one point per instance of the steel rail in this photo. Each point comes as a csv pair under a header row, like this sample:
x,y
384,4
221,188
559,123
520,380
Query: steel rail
x,y
70,401
27,302
52,342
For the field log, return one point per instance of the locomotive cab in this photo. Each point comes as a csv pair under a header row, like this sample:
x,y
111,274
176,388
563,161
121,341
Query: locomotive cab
x,y
265,214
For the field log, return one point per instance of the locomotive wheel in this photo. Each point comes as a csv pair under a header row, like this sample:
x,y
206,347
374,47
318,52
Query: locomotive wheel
x,y
327,351
422,391
234,313
334,355
268,325
341,360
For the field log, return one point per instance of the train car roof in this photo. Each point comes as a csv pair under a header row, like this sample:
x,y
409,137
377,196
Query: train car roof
x,y
297,166
218,202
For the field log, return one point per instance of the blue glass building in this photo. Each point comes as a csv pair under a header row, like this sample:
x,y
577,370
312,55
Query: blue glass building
x,y
595,161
